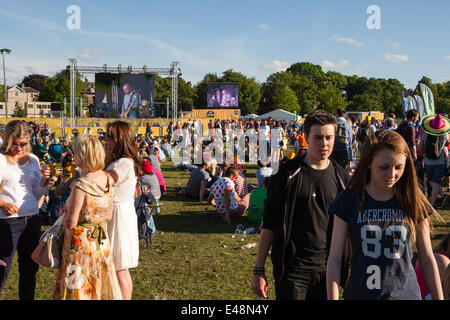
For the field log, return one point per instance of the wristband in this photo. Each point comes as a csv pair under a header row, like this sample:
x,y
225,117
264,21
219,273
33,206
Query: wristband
x,y
260,271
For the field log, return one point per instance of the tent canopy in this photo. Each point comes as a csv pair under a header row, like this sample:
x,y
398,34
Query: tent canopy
x,y
250,116
279,114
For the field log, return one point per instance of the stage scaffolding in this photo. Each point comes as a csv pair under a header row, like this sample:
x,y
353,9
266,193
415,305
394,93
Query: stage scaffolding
x,y
174,72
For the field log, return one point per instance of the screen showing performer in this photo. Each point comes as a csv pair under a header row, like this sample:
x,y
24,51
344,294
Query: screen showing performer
x,y
128,96
222,95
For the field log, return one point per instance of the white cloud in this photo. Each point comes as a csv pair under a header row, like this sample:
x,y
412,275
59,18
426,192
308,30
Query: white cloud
x,y
90,55
276,65
350,41
396,57
332,65
263,26
446,57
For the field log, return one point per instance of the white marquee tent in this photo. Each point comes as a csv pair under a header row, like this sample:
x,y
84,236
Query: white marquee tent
x,y
279,114
250,116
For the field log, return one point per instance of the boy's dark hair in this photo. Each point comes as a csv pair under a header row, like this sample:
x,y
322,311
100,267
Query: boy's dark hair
x,y
411,113
340,112
320,117
230,171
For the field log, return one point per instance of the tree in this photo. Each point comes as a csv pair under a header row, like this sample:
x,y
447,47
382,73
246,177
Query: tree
x,y
286,99
443,98
35,81
19,112
56,88
365,102
392,96
269,90
307,92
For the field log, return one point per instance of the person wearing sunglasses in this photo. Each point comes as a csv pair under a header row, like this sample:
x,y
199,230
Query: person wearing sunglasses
x,y
22,184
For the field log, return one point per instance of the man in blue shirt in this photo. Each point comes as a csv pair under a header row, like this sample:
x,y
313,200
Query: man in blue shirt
x,y
343,142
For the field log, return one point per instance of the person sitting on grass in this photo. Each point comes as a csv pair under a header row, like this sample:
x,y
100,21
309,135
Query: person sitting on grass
x,y
224,198
262,173
199,184
256,203
240,183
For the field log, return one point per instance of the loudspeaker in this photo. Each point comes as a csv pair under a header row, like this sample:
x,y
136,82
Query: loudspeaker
x,y
56,106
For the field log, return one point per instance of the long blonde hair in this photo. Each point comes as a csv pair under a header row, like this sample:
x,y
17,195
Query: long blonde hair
x,y
15,129
414,204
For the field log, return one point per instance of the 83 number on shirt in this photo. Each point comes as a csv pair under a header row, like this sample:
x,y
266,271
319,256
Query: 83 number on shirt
x,y
371,236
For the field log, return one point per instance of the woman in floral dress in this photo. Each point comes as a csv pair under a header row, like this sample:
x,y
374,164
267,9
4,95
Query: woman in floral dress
x,y
87,270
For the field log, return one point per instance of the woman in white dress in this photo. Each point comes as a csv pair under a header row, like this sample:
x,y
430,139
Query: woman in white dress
x,y
122,162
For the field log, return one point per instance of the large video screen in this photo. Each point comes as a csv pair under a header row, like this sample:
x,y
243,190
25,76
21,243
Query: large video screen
x,y
124,95
220,95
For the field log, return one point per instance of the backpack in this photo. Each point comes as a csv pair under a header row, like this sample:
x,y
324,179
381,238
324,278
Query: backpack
x,y
434,146
365,131
341,136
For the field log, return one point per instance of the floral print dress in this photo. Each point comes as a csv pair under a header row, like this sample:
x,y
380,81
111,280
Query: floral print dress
x,y
87,270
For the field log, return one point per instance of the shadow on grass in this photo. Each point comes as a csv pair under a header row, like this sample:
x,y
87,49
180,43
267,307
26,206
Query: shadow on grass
x,y
195,222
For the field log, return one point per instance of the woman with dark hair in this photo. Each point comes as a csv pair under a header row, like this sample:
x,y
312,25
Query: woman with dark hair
x,y
123,163
22,184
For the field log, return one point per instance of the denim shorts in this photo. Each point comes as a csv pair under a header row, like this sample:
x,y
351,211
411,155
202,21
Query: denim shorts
x,y
435,172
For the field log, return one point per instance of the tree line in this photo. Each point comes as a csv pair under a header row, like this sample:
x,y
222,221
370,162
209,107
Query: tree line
x,y
301,88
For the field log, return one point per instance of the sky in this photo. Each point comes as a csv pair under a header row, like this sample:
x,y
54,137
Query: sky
x,y
256,38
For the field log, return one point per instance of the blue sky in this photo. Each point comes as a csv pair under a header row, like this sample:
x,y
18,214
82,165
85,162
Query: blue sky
x,y
256,38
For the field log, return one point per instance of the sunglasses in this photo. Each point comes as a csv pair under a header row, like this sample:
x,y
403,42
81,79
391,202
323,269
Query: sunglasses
x,y
22,145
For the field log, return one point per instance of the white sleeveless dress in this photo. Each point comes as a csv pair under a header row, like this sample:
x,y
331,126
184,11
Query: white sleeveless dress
x,y
122,228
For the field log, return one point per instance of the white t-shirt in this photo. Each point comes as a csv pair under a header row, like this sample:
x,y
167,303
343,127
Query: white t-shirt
x,y
22,186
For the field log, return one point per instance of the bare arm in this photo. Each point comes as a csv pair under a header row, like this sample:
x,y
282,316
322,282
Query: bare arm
x,y
340,229
259,282
428,262
202,190
114,175
73,208
227,205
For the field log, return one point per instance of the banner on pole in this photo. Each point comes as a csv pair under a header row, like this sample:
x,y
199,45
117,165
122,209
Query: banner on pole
x,y
420,106
428,99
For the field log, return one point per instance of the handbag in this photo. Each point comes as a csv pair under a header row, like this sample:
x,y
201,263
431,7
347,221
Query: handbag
x,y
48,253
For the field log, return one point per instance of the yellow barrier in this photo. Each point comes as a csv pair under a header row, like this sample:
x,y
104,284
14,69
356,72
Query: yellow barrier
x,y
69,130
96,131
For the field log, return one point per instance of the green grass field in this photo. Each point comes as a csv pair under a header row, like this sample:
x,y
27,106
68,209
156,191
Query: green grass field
x,y
194,256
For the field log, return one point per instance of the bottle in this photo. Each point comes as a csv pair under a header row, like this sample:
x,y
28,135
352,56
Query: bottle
x,y
248,246
250,230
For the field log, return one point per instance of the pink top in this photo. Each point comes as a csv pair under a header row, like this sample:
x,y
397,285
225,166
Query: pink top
x,y
162,183
424,291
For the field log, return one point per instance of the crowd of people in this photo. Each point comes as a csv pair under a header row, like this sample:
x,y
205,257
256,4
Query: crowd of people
x,y
97,187
354,194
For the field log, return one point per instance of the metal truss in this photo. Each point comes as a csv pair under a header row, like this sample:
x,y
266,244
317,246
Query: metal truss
x,y
174,72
